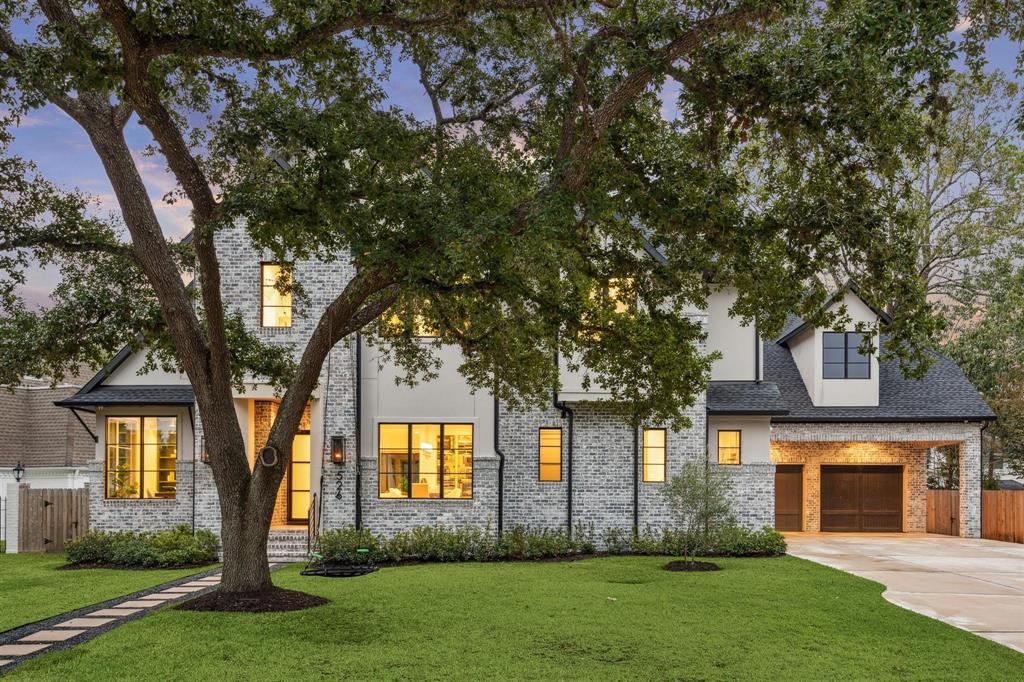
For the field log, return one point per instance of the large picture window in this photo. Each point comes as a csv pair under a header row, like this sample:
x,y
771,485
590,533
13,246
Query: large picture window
x,y
729,447
654,455
842,358
275,307
549,454
425,461
141,456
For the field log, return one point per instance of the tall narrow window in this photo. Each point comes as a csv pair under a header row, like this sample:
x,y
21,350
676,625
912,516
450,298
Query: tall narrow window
x,y
654,455
275,306
142,453
550,454
728,447
841,356
425,461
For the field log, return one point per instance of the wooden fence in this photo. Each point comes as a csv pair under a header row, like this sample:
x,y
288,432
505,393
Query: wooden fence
x,y
48,517
1002,514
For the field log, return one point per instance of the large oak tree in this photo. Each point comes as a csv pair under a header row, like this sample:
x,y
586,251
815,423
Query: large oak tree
x,y
754,142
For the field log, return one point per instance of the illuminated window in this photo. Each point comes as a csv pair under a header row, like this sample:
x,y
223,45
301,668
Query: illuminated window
x,y
841,356
618,297
425,461
728,447
550,454
275,307
654,455
141,456
417,323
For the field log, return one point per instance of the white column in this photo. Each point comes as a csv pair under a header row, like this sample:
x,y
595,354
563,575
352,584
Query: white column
x,y
11,522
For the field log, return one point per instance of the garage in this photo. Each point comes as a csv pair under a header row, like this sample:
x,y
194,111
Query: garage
x,y
861,498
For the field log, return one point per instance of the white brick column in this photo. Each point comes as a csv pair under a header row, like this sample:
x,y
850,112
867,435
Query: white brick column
x,y
970,484
11,511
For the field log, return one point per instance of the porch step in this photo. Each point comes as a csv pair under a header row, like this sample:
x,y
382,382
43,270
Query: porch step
x,y
287,545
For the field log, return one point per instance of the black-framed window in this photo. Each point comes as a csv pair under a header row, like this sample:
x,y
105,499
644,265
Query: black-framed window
x,y
275,306
841,356
425,461
141,457
549,454
729,446
655,444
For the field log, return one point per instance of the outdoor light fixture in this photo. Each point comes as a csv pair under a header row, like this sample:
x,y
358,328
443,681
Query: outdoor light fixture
x,y
204,454
18,471
338,449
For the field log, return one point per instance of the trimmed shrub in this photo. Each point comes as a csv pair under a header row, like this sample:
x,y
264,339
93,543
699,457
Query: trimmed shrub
x,y
342,546
738,541
165,549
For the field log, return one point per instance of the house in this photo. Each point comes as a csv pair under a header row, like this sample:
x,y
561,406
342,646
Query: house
x,y
813,434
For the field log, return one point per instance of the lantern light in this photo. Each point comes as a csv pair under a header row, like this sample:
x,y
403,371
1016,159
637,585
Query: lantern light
x,y
338,449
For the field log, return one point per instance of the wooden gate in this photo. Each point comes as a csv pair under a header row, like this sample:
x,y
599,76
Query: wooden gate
x,y
48,517
1002,517
943,512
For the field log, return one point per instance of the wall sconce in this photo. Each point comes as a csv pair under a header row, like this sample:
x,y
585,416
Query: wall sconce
x,y
18,471
338,449
204,455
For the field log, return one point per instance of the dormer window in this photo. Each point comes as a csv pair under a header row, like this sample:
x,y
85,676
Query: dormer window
x,y
842,358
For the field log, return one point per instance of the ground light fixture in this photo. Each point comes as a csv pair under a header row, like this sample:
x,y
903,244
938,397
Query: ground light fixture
x,y
338,449
19,470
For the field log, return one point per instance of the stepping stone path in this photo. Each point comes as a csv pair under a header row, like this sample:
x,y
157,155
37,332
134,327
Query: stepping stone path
x,y
75,627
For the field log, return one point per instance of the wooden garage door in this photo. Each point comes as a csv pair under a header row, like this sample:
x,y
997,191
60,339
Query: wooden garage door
x,y
862,498
789,497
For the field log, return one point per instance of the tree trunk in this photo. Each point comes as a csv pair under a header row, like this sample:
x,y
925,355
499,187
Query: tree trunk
x,y
244,537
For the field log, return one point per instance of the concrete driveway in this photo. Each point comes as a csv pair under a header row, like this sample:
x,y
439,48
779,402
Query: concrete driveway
x,y
976,585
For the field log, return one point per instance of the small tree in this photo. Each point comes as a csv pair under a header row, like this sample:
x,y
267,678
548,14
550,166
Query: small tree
x,y
697,498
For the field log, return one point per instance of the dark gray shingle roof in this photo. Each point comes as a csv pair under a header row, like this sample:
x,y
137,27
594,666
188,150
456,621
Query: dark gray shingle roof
x,y
131,395
745,397
944,394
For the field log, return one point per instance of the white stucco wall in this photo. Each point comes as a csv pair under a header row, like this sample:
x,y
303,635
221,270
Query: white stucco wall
x,y
737,343
755,437
130,374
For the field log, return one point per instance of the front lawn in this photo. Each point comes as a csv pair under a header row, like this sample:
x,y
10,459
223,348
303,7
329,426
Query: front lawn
x,y
31,587
614,618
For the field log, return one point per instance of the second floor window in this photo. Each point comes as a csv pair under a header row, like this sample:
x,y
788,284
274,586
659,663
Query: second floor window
x,y
654,455
275,307
842,358
550,454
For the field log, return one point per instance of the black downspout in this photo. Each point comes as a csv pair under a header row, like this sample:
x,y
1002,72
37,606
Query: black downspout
x,y
195,455
359,431
636,480
566,412
757,355
501,471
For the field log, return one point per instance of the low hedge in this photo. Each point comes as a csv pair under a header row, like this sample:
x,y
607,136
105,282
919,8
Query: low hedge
x,y
178,546
425,543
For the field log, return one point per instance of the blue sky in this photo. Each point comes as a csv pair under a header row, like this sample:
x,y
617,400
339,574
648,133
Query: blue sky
x,y
63,154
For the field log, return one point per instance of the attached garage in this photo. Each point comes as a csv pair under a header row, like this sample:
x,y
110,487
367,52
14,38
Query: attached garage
x,y
861,498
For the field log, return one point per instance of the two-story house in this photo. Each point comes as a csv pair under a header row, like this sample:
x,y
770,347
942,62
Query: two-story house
x,y
815,434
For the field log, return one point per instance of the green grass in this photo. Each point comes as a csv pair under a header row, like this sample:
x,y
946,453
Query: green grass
x,y
615,618
31,587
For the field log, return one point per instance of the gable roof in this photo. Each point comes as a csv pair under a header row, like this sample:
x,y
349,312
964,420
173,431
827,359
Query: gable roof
x,y
796,325
943,395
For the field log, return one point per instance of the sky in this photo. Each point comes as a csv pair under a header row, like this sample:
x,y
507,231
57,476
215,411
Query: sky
x,y
63,154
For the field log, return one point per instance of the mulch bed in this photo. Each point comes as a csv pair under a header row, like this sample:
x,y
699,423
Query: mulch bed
x,y
691,566
272,600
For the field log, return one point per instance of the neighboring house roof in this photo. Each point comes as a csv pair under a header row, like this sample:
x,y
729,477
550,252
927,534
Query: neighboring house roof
x,y
35,432
744,397
796,325
130,395
1010,484
944,394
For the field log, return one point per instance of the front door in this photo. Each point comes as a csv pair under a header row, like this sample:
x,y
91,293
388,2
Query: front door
x,y
862,498
789,497
298,479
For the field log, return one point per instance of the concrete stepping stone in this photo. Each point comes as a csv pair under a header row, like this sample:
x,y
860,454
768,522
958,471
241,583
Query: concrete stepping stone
x,y
51,636
5,662
85,622
183,590
21,649
138,604
156,597
115,613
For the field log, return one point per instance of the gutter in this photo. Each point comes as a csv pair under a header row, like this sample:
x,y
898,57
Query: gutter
x,y
501,469
359,431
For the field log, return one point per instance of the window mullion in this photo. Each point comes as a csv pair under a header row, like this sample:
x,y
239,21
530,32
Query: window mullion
x,y
440,472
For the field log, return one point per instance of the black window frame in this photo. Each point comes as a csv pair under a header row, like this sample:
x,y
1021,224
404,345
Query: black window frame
x,y
540,450
664,455
738,447
846,355
142,444
263,305
440,465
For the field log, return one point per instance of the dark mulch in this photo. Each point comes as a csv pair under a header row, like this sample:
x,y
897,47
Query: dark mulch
x,y
97,564
691,566
270,600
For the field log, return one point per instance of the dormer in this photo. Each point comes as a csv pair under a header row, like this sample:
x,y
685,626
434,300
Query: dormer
x,y
832,366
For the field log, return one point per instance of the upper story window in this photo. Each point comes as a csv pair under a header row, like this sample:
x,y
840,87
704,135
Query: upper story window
x,y
549,454
275,307
842,358
618,297
142,453
426,461
654,455
729,447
